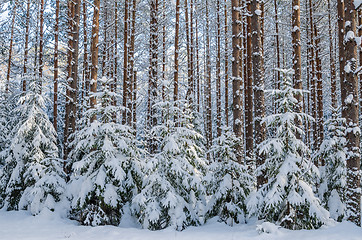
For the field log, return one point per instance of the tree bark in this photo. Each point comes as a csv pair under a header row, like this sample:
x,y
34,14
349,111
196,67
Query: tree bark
x,y
153,73
41,42
125,61
176,56
249,128
332,59
10,50
56,60
351,113
208,102
218,71
94,56
26,47
236,78
226,56
258,74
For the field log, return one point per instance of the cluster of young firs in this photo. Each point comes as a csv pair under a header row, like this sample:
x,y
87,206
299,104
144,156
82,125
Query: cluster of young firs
x,y
112,173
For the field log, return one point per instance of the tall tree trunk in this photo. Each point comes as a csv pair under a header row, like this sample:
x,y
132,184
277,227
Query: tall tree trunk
x,y
132,70
153,73
94,55
249,128
10,49
226,56
125,61
56,60
164,50
26,47
351,113
41,42
320,128
341,60
197,62
277,44
189,94
236,78
218,70
86,70
258,74
115,60
176,55
297,57
313,76
332,61
208,103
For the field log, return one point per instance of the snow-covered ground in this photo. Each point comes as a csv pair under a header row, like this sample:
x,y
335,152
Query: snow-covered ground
x,y
21,225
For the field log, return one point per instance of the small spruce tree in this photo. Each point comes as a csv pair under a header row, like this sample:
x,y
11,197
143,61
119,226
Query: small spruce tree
x,y
287,198
105,162
332,189
35,177
173,193
229,182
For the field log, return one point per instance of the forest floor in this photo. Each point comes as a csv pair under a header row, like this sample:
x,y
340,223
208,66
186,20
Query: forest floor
x,y
22,226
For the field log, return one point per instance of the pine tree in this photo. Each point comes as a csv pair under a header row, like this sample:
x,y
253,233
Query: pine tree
x,y
172,192
35,179
105,162
287,198
229,182
332,189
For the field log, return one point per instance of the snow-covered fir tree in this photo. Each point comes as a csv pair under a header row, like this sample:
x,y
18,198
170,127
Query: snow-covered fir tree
x,y
229,182
287,198
105,162
173,193
332,189
33,173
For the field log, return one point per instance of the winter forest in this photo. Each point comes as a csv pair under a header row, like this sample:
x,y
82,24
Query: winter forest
x,y
181,111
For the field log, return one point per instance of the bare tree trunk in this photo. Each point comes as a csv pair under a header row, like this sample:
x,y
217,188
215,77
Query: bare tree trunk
x,y
125,61
176,62
132,70
258,73
153,70
297,57
164,51
115,79
197,63
208,107
341,60
331,57
351,113
26,48
226,56
313,77
41,42
56,70
10,50
218,71
236,78
86,72
277,44
319,119
249,128
94,56
189,94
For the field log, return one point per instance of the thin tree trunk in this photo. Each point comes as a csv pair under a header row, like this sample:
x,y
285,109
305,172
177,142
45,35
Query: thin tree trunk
x,y
332,59
277,44
115,79
226,56
258,74
132,70
249,128
351,113
297,57
341,60
125,61
26,48
153,70
56,60
319,119
94,56
41,42
236,78
176,63
164,51
86,72
10,50
313,77
218,71
189,94
208,107
197,64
